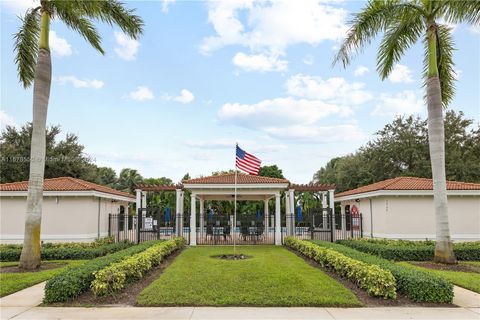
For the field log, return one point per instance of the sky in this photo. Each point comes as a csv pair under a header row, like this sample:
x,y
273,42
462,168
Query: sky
x,y
206,75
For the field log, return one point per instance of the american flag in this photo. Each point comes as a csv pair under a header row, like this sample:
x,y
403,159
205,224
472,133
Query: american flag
x,y
247,162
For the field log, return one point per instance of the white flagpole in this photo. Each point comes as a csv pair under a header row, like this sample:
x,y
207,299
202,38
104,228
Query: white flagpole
x,y
235,205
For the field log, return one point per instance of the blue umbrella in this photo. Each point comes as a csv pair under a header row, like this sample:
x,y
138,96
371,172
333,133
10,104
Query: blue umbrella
x,y
211,215
299,214
167,214
258,215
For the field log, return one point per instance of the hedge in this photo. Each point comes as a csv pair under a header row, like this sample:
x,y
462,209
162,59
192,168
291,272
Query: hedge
x,y
418,285
64,251
117,275
376,281
401,250
74,281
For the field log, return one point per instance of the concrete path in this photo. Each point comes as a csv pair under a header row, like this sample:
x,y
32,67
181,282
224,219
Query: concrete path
x,y
21,301
465,298
119,313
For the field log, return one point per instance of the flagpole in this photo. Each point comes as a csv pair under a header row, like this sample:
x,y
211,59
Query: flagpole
x,y
235,205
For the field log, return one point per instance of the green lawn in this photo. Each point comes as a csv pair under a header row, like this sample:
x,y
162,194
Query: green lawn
x,y
467,280
13,282
273,276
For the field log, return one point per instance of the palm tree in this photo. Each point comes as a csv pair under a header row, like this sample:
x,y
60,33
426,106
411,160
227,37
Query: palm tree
x,y
34,65
403,23
128,179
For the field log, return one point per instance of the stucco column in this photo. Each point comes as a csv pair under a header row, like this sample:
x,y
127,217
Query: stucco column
x,y
202,216
265,213
332,207
178,212
343,219
278,225
288,218
138,201
324,212
292,210
193,220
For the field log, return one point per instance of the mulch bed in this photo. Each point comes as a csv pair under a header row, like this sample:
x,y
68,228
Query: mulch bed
x,y
125,297
365,299
43,267
447,267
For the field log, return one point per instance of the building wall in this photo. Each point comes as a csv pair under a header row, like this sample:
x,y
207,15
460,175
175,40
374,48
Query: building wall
x,y
64,219
413,217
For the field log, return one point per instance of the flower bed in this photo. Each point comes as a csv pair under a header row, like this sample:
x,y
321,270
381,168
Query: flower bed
x,y
117,275
418,285
376,281
74,281
401,250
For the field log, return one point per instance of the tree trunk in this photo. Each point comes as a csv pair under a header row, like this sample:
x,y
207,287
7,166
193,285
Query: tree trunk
x,y
436,140
30,257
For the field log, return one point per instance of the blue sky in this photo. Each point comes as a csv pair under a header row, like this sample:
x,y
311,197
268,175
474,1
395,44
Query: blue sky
x,y
208,74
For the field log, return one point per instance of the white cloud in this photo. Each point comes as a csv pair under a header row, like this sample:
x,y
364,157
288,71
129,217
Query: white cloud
x,y
166,4
142,93
360,71
406,102
226,143
19,7
58,45
78,83
6,120
308,59
321,134
259,62
400,74
184,97
127,47
334,90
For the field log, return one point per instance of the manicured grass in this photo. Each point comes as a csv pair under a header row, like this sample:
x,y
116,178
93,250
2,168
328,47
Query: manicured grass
x,y
273,276
467,280
13,282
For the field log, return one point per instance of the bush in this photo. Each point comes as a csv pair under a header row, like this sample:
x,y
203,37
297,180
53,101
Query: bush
x,y
115,276
72,282
418,285
376,281
402,250
67,251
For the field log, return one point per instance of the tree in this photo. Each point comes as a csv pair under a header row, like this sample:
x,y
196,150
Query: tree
x,y
34,65
128,179
106,176
271,171
403,23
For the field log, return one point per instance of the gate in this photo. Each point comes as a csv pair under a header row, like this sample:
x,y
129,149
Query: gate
x,y
155,224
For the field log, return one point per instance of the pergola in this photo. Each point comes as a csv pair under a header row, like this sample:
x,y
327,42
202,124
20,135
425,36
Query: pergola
x,y
248,187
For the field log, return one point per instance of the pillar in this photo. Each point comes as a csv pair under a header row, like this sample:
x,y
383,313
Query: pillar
x,y
144,206
138,201
292,210
178,212
266,214
288,218
193,220
343,219
202,216
324,211
278,226
332,207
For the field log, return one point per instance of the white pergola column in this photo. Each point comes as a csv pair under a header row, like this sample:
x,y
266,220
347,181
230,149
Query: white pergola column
x,y
144,206
331,203
138,201
287,214
278,225
193,220
343,219
324,212
202,215
266,214
292,210
178,212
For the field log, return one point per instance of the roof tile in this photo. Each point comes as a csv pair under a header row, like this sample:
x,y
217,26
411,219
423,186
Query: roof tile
x,y
230,179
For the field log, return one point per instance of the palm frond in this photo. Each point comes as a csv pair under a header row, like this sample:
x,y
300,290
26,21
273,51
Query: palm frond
x,y
397,39
374,18
26,46
446,70
461,11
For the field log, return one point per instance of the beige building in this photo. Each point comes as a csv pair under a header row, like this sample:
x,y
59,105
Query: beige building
x,y
73,210
402,208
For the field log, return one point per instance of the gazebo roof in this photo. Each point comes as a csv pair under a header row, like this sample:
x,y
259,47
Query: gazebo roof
x,y
230,179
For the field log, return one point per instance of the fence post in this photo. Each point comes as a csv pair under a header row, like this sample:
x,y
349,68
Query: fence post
x,y
332,225
351,225
109,224
139,222
361,225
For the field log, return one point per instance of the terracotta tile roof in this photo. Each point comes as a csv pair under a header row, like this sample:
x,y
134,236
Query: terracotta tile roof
x,y
65,184
409,183
230,179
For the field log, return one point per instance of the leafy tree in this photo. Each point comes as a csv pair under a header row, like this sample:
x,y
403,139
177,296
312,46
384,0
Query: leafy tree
x,y
271,171
34,65
128,179
63,157
106,176
403,24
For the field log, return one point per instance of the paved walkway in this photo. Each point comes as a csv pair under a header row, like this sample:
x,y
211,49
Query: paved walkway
x,y
465,298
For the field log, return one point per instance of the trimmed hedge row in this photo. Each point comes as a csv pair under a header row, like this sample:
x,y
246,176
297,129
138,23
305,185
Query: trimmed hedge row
x,y
66,252
376,281
74,281
418,285
406,251
115,276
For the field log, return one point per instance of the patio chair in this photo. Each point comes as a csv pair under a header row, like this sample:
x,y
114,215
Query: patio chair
x,y
226,232
209,231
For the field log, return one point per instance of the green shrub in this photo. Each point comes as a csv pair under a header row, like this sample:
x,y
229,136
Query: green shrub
x,y
72,282
115,276
402,250
67,251
376,281
418,285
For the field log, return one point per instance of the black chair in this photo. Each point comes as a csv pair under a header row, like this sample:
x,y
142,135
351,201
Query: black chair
x,y
245,232
226,232
209,231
